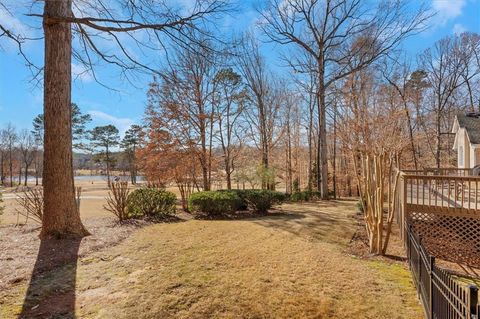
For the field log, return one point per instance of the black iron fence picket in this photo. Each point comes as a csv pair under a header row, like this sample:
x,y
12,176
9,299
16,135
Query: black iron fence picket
x,y
441,295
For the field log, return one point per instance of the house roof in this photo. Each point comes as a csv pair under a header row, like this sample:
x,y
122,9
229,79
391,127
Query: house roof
x,y
471,123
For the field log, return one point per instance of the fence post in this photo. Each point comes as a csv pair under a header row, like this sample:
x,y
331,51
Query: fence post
x,y
432,265
473,301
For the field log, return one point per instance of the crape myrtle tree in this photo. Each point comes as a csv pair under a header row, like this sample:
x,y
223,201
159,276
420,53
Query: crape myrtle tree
x,y
341,37
105,137
96,26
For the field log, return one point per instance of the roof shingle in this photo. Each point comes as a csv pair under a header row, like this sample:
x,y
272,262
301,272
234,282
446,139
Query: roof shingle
x,y
471,123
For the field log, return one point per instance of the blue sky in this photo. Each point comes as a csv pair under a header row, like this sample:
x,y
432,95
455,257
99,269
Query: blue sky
x,y
21,101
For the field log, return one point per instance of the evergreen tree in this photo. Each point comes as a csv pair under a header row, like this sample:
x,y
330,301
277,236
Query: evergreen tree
x,y
105,137
129,144
79,127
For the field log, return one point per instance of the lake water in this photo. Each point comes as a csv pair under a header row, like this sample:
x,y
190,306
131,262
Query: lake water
x,y
93,178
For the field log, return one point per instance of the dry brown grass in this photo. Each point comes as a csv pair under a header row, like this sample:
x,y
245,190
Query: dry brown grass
x,y
290,264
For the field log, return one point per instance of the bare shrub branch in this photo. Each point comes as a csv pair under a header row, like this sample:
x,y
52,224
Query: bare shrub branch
x,y
117,200
31,202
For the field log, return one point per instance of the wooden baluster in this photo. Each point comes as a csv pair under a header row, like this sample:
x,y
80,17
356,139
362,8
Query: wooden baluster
x,y
429,183
418,190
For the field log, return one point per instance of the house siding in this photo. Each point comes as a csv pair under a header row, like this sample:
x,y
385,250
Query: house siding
x,y
464,144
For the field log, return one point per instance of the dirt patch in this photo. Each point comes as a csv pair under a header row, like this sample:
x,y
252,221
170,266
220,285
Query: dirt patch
x,y
19,247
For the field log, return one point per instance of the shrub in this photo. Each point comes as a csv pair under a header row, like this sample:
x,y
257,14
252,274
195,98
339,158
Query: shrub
x,y
241,193
150,202
31,202
214,203
298,197
305,196
262,200
117,200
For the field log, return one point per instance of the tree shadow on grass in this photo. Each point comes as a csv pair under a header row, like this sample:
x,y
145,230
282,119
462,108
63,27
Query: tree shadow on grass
x,y
248,215
51,291
312,220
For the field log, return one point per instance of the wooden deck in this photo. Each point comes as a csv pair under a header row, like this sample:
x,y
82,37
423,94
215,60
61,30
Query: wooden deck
x,y
444,210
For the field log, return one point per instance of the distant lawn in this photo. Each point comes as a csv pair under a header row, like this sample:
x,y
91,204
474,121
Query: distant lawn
x,y
291,264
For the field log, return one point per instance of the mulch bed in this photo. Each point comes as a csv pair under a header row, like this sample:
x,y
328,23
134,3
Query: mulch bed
x,y
358,245
396,252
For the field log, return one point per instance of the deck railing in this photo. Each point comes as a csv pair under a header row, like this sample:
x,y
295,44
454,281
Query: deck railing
x,y
438,211
444,210
442,191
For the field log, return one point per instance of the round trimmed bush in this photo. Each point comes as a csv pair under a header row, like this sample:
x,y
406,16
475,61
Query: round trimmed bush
x,y
241,193
214,203
151,202
261,200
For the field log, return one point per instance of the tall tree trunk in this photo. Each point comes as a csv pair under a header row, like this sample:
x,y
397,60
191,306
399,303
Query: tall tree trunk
x,y
60,217
26,174
322,161
107,154
334,160
11,167
310,148
410,132
229,179
134,166
2,173
36,170
438,141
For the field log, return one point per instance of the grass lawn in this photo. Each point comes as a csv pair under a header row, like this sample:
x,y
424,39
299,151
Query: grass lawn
x,y
293,263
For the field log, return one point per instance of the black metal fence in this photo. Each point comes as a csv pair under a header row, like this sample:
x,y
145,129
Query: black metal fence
x,y
442,296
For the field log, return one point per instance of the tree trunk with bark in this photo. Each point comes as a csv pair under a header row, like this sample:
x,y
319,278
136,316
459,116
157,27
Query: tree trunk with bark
x,y
322,161
61,217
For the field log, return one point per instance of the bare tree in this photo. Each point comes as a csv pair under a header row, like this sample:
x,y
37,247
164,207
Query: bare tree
x,y
444,68
397,74
229,99
184,100
263,116
469,51
149,25
26,144
342,37
3,156
9,138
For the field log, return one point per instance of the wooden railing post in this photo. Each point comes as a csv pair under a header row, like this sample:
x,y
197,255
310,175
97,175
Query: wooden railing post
x,y
473,301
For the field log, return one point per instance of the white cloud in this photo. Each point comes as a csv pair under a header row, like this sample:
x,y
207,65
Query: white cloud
x,y
447,9
123,124
79,72
11,23
459,28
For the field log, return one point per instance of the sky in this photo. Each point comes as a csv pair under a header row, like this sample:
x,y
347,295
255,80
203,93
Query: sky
x,y
21,100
